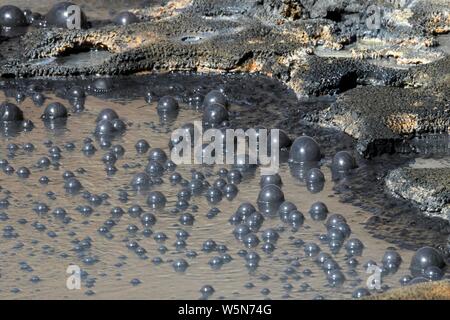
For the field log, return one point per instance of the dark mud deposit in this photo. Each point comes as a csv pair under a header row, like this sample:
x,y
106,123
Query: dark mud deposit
x,y
69,175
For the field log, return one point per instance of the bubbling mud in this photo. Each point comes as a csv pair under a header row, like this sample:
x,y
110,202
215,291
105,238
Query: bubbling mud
x,y
98,190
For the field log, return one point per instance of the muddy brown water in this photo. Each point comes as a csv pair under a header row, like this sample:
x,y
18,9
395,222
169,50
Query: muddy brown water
x,y
49,257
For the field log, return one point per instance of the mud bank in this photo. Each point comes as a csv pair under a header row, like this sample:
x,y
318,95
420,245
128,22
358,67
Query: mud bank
x,y
429,188
423,291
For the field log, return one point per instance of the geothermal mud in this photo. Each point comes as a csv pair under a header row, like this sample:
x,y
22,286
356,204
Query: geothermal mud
x,y
315,68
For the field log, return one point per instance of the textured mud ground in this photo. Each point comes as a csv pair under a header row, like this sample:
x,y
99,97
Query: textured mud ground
x,y
386,108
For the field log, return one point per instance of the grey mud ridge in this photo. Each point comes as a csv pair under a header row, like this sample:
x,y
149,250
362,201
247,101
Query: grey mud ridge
x,y
377,104
429,188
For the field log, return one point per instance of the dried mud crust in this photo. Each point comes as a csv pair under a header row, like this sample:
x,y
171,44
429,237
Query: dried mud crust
x,y
379,117
429,188
423,291
273,37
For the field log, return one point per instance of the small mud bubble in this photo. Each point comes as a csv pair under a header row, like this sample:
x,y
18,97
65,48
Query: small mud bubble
x,y
335,278
250,240
215,97
180,265
156,200
107,114
23,172
354,247
271,179
391,260
433,273
9,112
142,146
360,293
72,185
186,219
207,291
311,249
234,176
315,176
157,154
296,218
167,104
101,86
54,110
270,235
343,161
125,18
214,115
38,99
318,211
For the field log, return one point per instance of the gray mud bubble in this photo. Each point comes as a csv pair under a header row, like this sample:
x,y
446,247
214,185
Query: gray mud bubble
x,y
101,86
391,261
125,18
343,161
282,140
270,198
167,105
354,247
315,176
426,257
168,109
9,112
58,16
304,150
76,92
141,181
284,209
72,185
270,179
318,211
54,111
12,17
214,115
107,114
215,97
156,200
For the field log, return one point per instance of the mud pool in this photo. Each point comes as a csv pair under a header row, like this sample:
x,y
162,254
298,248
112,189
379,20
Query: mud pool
x,y
38,245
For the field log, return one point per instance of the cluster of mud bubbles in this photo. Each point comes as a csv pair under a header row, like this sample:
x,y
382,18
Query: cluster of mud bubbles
x,y
86,179
15,22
